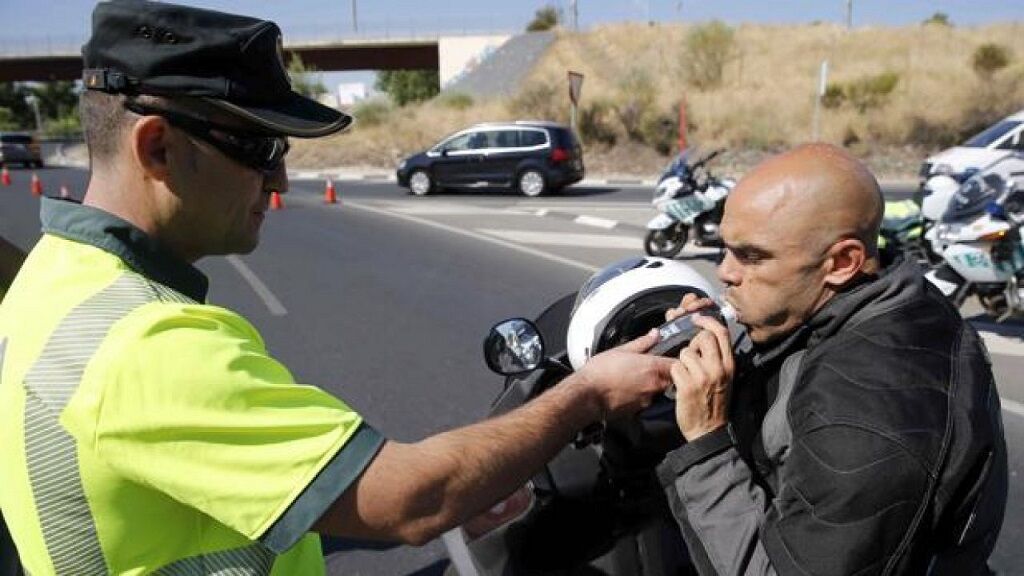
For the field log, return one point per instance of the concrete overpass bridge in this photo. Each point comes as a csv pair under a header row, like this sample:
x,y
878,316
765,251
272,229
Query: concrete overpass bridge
x,y
449,55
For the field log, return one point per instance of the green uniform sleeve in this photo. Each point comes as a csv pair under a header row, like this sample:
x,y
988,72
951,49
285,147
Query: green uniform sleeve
x,y
185,399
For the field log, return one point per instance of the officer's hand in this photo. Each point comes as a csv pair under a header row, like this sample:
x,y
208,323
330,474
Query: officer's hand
x,y
703,379
624,379
690,303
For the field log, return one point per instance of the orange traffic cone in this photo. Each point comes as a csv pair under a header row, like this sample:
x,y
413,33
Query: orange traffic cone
x,y
330,196
37,185
64,193
5,176
275,201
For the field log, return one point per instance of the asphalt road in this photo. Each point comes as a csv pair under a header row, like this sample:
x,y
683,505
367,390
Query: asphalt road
x,y
384,300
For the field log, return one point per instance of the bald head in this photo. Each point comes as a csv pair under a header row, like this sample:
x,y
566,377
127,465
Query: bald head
x,y
817,193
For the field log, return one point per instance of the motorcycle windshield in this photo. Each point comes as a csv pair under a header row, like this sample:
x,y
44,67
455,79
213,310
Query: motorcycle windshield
x,y
680,165
971,198
604,275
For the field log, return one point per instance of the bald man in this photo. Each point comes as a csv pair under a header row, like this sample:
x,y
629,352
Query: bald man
x,y
864,436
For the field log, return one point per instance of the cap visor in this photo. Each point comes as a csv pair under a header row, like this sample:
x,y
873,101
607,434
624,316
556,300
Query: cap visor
x,y
298,116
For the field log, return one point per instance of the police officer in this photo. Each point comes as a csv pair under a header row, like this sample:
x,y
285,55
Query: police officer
x,y
147,431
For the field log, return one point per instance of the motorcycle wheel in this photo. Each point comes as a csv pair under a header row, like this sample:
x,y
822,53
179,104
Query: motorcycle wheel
x,y
666,243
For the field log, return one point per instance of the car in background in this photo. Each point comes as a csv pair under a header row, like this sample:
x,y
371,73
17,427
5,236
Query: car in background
x,y
981,150
20,148
532,157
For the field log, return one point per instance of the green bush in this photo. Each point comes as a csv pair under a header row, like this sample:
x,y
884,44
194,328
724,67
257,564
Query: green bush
x,y
7,121
304,78
871,91
660,132
63,127
938,19
540,101
708,48
405,86
544,18
634,102
834,96
989,59
371,112
594,123
455,100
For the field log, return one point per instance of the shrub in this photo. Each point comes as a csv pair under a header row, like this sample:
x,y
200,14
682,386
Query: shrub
x,y
990,58
544,18
834,96
64,126
455,100
659,132
371,112
7,121
405,86
594,123
707,50
539,101
871,91
636,94
939,19
304,78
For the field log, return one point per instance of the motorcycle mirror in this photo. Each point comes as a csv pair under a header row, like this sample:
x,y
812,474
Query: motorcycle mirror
x,y
513,347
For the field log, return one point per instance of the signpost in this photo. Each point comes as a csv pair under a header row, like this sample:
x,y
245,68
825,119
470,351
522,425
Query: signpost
x,y
822,84
575,87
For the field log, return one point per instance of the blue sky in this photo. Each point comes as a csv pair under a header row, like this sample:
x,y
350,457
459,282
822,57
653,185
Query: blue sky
x,y
34,25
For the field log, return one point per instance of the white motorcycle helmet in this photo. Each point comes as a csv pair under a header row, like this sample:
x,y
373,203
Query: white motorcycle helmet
x,y
625,300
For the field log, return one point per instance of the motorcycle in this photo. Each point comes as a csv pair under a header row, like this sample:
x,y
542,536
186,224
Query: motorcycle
x,y
597,507
687,197
907,226
979,238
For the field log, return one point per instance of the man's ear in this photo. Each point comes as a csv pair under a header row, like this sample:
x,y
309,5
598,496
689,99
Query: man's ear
x,y
149,140
846,259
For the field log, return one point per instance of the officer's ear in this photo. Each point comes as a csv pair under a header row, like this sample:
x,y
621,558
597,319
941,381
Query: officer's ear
x,y
844,260
148,140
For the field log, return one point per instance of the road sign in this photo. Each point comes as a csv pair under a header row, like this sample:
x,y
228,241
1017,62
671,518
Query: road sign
x,y
575,86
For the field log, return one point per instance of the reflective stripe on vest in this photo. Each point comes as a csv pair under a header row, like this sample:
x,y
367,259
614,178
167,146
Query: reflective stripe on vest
x,y
67,523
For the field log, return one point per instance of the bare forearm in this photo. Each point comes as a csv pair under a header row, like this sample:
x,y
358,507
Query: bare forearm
x,y
413,492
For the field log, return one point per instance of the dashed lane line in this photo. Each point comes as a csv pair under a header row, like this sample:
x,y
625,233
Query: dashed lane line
x,y
261,290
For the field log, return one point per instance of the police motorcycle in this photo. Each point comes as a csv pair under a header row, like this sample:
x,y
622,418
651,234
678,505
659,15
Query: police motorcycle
x,y
980,240
687,197
907,228
597,507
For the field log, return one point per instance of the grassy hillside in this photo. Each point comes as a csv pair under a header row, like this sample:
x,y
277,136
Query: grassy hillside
x,y
636,75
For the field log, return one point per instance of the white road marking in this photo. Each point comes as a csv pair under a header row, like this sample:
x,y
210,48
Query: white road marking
x,y
476,236
1012,407
261,290
445,209
999,344
594,221
565,239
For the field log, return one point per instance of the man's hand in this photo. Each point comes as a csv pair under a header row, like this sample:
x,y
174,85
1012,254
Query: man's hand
x,y
625,379
703,376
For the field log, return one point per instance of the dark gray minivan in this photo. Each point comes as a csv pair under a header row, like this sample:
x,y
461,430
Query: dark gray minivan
x,y
533,157
20,148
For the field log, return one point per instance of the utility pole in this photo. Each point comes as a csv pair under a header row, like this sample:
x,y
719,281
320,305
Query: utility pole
x,y
849,14
574,5
355,21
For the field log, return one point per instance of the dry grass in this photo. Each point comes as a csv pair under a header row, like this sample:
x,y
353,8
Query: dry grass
x,y
765,102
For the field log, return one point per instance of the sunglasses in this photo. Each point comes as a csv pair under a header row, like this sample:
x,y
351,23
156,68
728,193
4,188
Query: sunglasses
x,y
263,153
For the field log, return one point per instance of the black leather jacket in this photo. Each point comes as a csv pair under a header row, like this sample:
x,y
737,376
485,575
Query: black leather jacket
x,y
870,441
